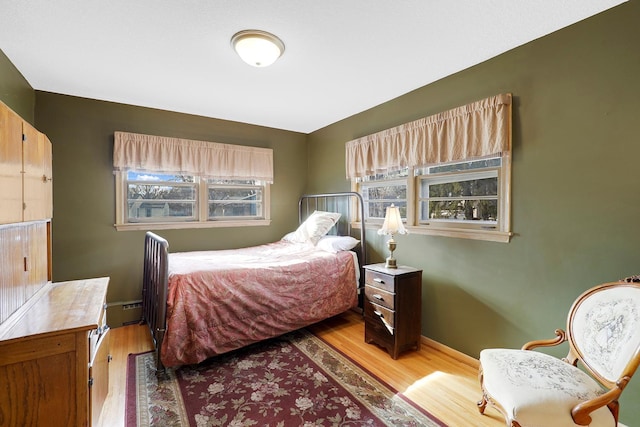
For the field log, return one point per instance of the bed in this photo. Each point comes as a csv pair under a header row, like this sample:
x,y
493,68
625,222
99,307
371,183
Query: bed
x,y
201,304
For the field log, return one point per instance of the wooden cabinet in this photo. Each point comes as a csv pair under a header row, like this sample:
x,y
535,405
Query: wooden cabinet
x,y
37,193
392,307
10,166
24,265
54,354
25,170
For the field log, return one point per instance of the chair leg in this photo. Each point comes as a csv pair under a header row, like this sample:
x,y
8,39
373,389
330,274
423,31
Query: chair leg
x,y
614,407
482,404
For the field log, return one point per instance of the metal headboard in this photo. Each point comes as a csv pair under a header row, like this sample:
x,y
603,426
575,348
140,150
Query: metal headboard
x,y
351,206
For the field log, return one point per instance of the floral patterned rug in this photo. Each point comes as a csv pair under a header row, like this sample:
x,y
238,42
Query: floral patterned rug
x,y
294,380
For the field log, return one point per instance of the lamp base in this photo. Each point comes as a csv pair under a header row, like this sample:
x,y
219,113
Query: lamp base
x,y
391,263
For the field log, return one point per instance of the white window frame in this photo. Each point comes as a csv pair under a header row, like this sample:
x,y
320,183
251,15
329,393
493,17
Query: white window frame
x,y
258,185
501,232
202,209
381,183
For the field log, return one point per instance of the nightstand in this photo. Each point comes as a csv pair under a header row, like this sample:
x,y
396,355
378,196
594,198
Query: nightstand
x,y
392,307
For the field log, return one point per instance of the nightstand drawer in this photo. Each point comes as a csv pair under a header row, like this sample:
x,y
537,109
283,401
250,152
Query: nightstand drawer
x,y
379,296
379,313
376,331
380,280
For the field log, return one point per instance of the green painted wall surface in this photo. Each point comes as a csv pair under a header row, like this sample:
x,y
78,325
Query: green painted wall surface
x,y
575,190
85,242
15,91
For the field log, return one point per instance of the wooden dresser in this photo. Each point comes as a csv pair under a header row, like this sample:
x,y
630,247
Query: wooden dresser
x,y
392,311
54,355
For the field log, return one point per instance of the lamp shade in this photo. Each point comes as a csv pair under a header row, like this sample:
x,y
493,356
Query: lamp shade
x,y
392,222
257,48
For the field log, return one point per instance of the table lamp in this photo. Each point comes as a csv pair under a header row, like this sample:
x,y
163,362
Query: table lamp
x,y
392,225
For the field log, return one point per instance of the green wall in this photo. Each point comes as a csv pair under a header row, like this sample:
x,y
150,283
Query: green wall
x,y
575,190
575,187
15,91
85,242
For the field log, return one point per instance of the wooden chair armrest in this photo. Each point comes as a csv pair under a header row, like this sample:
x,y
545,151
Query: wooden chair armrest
x,y
561,336
581,411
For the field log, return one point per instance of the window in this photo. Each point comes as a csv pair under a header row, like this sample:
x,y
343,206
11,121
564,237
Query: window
x,y
173,201
382,190
235,199
465,195
175,183
464,199
158,197
458,171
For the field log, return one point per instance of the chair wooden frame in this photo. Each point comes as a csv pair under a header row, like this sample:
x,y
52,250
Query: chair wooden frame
x,y
580,412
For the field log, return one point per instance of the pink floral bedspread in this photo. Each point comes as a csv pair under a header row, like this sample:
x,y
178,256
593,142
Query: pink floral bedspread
x,y
219,301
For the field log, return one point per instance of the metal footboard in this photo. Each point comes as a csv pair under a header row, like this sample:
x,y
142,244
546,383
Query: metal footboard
x,y
154,289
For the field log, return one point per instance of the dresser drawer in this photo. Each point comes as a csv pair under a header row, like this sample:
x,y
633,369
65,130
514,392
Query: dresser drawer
x,y
380,280
380,296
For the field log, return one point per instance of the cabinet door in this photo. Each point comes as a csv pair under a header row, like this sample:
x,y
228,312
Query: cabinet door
x,y
36,251
24,264
36,155
39,391
10,166
47,176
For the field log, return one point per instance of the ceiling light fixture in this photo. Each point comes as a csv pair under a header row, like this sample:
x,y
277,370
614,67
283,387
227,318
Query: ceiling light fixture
x,y
257,48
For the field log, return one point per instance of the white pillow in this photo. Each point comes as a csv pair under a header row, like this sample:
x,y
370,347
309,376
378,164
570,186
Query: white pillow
x,y
314,227
336,244
289,236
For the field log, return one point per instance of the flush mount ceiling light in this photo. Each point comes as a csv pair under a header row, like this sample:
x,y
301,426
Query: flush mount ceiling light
x,y
257,48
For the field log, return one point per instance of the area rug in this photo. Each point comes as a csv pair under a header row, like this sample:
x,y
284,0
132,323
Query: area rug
x,y
294,380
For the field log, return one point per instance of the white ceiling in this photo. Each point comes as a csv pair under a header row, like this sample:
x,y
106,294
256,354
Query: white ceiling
x,y
342,56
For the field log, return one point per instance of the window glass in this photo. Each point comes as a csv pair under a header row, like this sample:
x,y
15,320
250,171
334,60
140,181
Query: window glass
x,y
459,197
466,193
235,198
382,190
160,197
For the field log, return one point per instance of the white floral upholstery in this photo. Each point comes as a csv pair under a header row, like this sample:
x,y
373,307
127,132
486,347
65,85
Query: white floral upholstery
x,y
606,328
534,389
539,390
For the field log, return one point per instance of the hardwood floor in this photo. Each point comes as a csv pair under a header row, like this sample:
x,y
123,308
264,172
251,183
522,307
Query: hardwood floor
x,y
446,387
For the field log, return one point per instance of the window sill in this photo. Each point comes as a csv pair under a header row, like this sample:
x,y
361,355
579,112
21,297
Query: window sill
x,y
464,233
460,233
185,225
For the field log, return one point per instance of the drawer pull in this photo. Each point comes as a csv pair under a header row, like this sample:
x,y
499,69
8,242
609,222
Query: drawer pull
x,y
377,313
378,280
378,297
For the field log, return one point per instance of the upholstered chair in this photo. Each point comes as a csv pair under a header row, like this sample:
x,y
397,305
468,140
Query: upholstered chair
x,y
535,389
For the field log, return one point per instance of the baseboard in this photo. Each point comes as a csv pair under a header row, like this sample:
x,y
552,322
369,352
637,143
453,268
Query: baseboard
x,y
459,356
122,313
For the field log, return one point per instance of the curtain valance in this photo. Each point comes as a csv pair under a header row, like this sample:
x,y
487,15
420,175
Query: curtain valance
x,y
175,155
476,130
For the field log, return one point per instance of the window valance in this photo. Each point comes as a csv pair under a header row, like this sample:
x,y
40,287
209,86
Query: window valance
x,y
473,131
175,155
